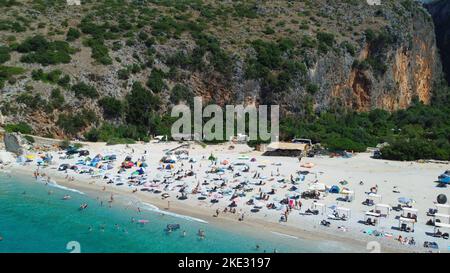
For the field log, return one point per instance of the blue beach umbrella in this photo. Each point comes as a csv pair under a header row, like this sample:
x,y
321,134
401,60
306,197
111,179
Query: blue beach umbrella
x,y
404,200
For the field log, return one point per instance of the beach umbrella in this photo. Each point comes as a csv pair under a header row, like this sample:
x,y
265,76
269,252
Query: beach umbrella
x,y
404,200
30,157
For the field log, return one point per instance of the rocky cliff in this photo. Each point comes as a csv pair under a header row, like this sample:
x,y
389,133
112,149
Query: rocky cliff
x,y
440,11
307,56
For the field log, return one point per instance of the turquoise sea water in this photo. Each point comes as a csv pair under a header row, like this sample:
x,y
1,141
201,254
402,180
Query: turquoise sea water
x,y
32,220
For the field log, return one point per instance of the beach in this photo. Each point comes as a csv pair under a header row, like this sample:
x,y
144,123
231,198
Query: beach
x,y
393,180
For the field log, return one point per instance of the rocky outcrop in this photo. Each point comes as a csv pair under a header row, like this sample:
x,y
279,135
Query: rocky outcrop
x,y
14,143
387,71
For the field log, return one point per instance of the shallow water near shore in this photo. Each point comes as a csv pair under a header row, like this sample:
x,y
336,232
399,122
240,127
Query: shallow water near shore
x,y
34,218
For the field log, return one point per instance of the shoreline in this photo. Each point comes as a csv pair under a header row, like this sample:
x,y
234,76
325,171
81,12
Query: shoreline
x,y
228,221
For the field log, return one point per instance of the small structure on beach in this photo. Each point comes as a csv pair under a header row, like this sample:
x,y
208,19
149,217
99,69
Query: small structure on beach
x,y
286,149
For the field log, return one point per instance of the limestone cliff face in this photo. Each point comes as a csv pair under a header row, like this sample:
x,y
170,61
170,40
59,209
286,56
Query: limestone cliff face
x,y
410,64
440,11
387,71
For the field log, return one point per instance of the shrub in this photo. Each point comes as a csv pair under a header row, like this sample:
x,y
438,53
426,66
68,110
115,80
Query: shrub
x,y
39,50
83,90
4,54
20,127
73,124
156,81
72,34
57,99
99,51
112,107
181,92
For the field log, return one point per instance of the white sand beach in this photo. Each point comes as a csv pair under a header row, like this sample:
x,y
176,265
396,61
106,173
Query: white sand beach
x,y
226,181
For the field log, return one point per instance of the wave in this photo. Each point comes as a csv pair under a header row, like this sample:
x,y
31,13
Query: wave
x,y
56,185
154,208
284,235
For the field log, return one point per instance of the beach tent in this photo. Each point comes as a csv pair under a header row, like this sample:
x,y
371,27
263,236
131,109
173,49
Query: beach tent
x,y
319,206
169,167
442,218
375,197
346,211
373,216
405,223
349,194
334,189
253,160
410,213
383,208
443,208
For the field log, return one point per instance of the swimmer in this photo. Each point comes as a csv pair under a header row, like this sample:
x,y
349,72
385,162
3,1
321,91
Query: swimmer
x,y
66,197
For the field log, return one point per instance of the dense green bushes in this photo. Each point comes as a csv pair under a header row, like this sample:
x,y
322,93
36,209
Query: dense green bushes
x,y
20,127
72,34
180,93
83,90
99,51
274,67
37,49
112,107
7,73
419,132
56,99
72,124
53,77
156,81
142,108
4,54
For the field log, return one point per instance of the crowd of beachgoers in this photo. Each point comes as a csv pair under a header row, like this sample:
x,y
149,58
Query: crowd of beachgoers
x,y
397,204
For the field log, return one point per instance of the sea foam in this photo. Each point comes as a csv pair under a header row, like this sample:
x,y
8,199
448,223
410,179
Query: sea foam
x,y
56,185
154,208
